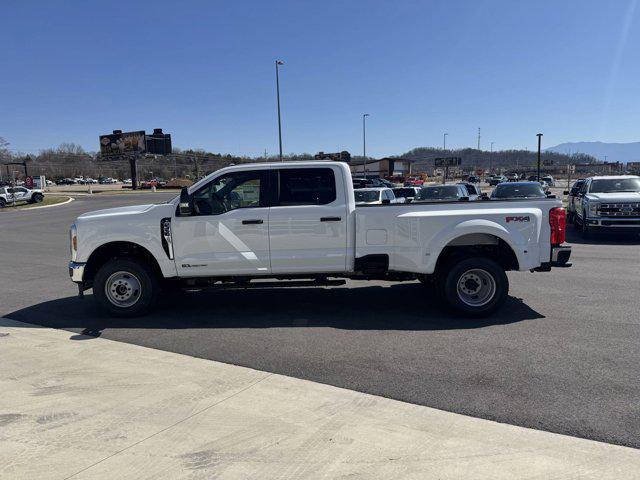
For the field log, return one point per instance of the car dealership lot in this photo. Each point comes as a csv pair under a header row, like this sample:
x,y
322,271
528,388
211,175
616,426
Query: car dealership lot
x,y
561,356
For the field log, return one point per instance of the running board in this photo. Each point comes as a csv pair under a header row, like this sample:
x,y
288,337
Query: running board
x,y
259,284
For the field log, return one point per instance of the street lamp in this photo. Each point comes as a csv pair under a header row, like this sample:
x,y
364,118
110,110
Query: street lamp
x,y
444,141
491,158
278,63
539,135
364,143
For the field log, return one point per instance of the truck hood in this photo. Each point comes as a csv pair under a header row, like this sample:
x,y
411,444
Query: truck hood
x,y
121,211
617,197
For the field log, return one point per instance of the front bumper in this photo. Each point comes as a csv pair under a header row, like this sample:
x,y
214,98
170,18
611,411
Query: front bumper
x,y
613,222
76,271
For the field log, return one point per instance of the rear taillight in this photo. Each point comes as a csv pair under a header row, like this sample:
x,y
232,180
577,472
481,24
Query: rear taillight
x,y
558,223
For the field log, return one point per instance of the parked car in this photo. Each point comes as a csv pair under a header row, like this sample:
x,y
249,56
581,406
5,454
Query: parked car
x,y
474,192
275,220
473,179
409,193
66,181
549,180
414,182
375,196
442,193
496,179
573,197
367,183
608,203
512,190
19,194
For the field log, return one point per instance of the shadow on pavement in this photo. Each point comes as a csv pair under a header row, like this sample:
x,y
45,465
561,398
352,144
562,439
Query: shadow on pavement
x,y
395,307
602,238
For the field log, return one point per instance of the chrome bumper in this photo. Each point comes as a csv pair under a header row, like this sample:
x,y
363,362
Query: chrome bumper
x,y
76,271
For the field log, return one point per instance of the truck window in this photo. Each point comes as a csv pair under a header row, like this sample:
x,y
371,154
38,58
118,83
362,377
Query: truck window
x,y
306,186
231,191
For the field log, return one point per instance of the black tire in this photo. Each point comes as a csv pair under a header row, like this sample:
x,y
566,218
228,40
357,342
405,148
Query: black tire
x,y
37,198
569,217
3,202
584,229
143,297
482,273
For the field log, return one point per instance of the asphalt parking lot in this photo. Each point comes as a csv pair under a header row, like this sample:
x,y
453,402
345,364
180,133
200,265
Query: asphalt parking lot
x,y
562,355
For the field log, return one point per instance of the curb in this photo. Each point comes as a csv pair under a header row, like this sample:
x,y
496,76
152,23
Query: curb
x,y
70,199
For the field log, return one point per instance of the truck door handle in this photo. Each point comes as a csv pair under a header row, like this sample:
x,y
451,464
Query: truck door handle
x,y
330,219
251,222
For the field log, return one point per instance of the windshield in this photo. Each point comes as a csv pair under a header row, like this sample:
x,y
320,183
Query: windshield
x,y
367,195
529,190
610,185
439,193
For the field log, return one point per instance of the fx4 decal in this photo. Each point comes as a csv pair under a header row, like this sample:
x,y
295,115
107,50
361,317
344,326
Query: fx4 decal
x,y
518,219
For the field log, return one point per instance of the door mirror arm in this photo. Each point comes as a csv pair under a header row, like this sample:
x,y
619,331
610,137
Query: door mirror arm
x,y
184,207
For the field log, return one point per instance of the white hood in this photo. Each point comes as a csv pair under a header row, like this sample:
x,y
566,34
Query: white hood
x,y
119,211
615,197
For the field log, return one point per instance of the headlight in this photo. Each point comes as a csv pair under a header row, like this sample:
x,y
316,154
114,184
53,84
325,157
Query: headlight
x,y
594,209
73,242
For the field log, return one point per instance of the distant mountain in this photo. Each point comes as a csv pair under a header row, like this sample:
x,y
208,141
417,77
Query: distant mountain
x,y
615,152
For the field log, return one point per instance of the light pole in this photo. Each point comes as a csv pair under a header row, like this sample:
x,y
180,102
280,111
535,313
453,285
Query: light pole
x,y
278,63
539,135
444,141
491,158
364,143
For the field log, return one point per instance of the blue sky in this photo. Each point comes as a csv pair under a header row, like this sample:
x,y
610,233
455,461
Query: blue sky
x,y
203,71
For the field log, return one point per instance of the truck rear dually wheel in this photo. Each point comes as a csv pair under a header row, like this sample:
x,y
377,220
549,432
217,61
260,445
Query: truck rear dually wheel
x,y
125,287
475,286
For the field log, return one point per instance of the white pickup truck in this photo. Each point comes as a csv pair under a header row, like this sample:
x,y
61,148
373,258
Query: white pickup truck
x,y
298,221
19,194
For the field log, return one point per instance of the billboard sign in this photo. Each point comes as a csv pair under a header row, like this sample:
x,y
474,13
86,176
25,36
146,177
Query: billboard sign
x,y
448,161
120,143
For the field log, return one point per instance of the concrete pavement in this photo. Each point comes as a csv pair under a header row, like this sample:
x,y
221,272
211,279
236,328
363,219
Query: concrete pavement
x,y
75,406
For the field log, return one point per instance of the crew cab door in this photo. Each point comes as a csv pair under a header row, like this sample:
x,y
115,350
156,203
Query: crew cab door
x,y
228,232
308,220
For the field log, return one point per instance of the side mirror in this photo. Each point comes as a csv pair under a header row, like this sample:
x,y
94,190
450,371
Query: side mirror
x,y
185,203
566,192
386,201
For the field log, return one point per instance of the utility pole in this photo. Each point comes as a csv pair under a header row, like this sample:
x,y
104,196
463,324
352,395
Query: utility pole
x,y
539,135
364,143
278,63
444,141
478,138
491,158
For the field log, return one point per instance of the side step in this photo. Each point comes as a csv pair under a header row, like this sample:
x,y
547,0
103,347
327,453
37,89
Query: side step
x,y
272,284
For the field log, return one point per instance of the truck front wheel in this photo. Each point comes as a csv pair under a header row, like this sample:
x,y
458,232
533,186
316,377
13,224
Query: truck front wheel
x,y
125,287
476,286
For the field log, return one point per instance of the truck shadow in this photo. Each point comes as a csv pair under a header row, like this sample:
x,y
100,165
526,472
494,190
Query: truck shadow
x,y
407,306
602,238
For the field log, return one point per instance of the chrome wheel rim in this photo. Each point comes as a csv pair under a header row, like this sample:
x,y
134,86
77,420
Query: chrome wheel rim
x,y
476,287
123,289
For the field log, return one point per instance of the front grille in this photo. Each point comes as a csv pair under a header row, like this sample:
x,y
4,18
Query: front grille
x,y
627,210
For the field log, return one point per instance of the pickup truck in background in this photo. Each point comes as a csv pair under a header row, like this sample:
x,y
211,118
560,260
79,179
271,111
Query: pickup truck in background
x,y
19,194
608,203
297,222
